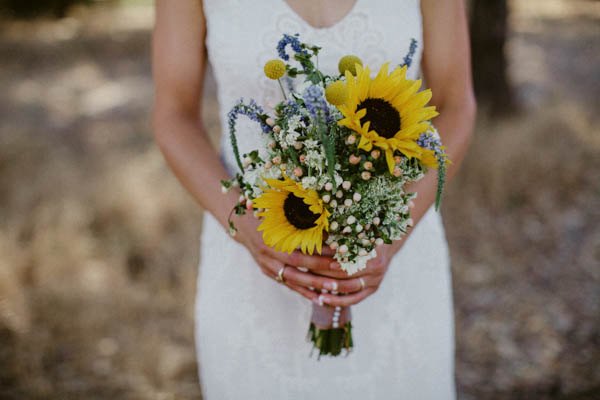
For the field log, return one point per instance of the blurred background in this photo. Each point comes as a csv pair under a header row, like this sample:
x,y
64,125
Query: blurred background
x,y
98,242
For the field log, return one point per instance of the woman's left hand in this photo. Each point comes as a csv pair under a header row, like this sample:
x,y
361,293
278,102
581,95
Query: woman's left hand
x,y
366,282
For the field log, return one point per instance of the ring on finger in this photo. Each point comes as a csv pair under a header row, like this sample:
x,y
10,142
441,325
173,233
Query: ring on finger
x,y
280,277
362,283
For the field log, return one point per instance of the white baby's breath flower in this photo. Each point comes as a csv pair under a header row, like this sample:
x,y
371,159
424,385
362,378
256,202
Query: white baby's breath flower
x,y
311,144
291,137
359,263
309,182
294,122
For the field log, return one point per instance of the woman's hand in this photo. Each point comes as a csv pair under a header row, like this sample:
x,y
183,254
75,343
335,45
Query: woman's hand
x,y
308,275
317,272
365,282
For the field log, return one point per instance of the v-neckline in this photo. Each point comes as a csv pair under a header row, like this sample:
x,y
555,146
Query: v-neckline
x,y
324,28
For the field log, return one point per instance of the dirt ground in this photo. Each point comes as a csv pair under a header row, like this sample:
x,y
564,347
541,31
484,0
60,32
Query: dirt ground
x,y
99,244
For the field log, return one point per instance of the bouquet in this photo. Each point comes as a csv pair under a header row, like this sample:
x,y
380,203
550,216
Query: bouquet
x,y
337,154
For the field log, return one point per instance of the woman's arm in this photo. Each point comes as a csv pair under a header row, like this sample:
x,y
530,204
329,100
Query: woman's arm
x,y
447,71
178,65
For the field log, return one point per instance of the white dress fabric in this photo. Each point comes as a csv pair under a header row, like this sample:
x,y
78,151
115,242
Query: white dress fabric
x,y
250,330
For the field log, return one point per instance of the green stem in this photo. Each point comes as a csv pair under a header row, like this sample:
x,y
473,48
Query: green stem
x,y
282,90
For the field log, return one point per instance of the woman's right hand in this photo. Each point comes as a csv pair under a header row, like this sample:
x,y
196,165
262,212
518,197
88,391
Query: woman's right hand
x,y
317,272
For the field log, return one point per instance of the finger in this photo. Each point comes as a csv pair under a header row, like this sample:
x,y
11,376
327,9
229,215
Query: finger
x,y
271,264
347,300
309,294
334,274
327,251
297,259
310,280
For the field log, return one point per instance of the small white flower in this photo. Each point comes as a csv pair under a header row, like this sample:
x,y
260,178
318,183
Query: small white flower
x,y
339,194
291,138
378,241
356,197
365,242
361,235
376,221
270,121
334,245
326,198
311,144
366,175
334,226
348,202
362,252
351,139
333,203
347,230
351,219
328,186
343,249
346,185
358,228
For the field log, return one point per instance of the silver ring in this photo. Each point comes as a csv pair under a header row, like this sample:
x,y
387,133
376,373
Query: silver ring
x,y
362,283
280,277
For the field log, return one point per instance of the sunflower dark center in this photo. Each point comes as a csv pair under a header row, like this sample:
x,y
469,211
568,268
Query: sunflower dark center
x,y
384,118
298,212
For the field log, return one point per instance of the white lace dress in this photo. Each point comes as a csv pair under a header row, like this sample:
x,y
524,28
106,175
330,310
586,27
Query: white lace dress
x,y
250,330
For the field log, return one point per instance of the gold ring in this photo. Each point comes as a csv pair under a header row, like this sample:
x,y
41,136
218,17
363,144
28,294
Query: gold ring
x,y
280,277
362,283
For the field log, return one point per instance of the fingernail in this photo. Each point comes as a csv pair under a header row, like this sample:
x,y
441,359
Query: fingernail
x,y
330,285
335,265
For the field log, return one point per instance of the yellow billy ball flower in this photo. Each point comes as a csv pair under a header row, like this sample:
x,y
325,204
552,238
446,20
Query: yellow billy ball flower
x,y
336,93
274,69
348,63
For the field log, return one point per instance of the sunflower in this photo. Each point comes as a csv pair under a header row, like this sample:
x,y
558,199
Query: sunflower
x,y
387,112
293,216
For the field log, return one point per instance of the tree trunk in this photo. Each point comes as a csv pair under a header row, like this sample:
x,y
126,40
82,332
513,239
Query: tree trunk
x,y
489,28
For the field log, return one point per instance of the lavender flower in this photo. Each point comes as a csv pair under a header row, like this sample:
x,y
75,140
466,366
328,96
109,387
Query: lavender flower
x,y
315,103
290,108
427,140
252,111
292,41
411,52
